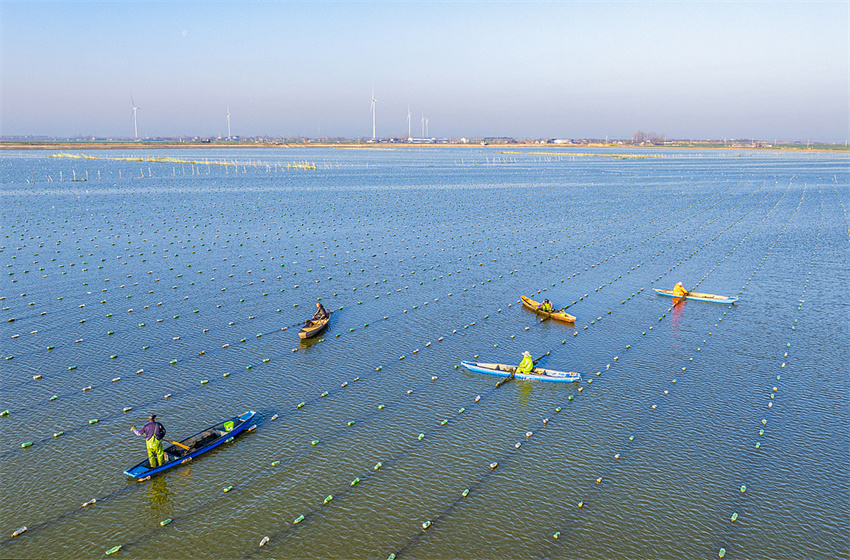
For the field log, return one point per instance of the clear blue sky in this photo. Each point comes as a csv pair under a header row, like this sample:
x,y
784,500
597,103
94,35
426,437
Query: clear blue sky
x,y
524,69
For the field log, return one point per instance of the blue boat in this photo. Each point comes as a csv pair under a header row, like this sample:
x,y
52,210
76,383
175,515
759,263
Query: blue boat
x,y
539,374
699,296
200,443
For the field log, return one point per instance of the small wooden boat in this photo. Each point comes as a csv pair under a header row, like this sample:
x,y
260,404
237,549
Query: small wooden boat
x,y
314,327
200,443
562,316
698,296
540,374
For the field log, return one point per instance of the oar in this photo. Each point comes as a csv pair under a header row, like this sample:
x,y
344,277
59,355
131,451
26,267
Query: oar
x,y
186,447
681,299
511,376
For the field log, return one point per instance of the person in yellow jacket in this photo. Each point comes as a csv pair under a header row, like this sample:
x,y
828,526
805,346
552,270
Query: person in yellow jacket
x,y
545,306
527,363
679,290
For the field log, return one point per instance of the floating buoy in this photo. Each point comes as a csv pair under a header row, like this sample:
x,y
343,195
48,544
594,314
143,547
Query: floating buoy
x,y
90,502
314,443
20,531
264,541
494,465
328,499
734,516
426,525
298,520
275,463
26,444
355,482
722,553
581,505
114,549
743,488
227,488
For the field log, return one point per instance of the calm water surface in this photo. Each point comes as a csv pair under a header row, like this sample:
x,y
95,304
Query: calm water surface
x,y
186,278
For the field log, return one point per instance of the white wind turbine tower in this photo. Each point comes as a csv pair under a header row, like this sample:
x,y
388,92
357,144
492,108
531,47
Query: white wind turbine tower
x,y
423,126
228,123
426,128
408,122
135,122
373,113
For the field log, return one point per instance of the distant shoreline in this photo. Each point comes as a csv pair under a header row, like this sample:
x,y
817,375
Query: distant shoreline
x,y
8,146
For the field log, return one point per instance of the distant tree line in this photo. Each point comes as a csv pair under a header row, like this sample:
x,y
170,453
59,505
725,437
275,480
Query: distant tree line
x,y
641,137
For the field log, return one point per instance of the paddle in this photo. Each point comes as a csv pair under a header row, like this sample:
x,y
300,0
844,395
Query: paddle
x,y
511,376
681,298
186,447
310,320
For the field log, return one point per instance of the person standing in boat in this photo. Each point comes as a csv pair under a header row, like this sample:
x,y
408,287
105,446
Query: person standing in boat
x,y
679,290
527,363
545,306
153,432
320,313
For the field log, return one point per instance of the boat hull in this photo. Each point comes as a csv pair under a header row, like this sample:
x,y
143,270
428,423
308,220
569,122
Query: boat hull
x,y
200,443
539,374
313,328
699,296
561,316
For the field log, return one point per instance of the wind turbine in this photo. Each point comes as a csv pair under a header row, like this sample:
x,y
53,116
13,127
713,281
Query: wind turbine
x,y
228,122
373,113
426,127
423,126
408,122
135,122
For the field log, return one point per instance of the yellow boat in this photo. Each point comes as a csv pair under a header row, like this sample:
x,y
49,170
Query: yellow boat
x,y
562,316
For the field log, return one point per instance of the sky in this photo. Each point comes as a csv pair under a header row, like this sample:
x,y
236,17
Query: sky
x,y
524,69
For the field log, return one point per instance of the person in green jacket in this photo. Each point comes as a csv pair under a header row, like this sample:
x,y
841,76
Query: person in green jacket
x,y
527,363
545,306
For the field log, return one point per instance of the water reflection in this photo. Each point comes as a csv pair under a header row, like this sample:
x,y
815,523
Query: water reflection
x,y
158,497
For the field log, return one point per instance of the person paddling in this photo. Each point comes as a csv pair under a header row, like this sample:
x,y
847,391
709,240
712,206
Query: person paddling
x,y
153,432
320,313
545,306
526,365
679,290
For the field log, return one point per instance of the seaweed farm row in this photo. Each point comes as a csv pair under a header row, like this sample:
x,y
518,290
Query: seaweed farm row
x,y
697,430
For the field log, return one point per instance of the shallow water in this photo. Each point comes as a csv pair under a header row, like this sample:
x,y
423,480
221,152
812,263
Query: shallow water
x,y
147,262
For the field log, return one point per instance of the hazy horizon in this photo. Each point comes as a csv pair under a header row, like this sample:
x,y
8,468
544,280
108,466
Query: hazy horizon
x,y
694,70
